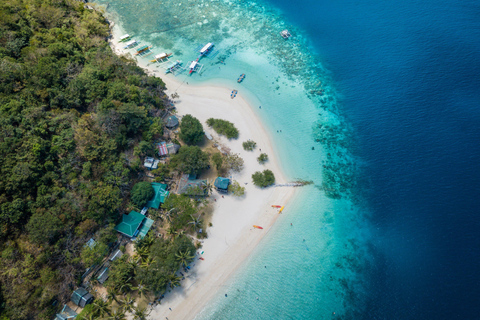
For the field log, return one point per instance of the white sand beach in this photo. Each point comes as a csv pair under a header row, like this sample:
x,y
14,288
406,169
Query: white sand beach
x,y
232,237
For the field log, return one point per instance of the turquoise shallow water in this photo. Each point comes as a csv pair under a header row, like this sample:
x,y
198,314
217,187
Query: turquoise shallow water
x,y
302,279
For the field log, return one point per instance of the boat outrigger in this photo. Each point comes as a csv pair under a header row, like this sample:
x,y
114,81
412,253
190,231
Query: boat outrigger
x,y
257,227
124,38
161,57
240,79
130,44
142,49
174,67
285,34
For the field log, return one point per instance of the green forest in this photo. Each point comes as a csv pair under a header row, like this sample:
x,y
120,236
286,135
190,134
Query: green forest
x,y
74,121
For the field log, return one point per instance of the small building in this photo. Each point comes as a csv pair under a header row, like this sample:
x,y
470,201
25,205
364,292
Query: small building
x,y
81,297
221,184
90,243
172,148
162,148
161,194
115,255
150,163
134,225
172,122
103,275
66,313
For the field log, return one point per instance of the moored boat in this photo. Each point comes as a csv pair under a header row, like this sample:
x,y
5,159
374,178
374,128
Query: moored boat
x,y
125,37
162,56
206,48
130,43
192,66
142,49
173,66
240,79
233,94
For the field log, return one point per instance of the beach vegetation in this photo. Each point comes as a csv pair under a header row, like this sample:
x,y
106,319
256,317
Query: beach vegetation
x,y
217,160
262,158
191,130
233,162
236,189
263,179
191,160
223,127
249,145
141,193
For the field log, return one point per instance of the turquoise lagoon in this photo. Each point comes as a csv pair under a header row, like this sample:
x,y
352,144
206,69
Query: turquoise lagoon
x,y
317,267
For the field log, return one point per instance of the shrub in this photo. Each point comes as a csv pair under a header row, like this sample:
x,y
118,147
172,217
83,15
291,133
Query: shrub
x,y
141,193
249,145
262,158
191,130
233,162
263,179
236,189
223,127
217,160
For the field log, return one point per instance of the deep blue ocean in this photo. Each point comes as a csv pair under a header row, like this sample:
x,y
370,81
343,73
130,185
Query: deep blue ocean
x,y
409,76
388,94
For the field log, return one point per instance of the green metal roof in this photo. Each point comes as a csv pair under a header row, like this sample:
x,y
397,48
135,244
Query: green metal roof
x,y
161,194
222,183
130,223
146,225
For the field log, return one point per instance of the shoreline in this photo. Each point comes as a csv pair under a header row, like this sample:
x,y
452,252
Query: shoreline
x,y
232,238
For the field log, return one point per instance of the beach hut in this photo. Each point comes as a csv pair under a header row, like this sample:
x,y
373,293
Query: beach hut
x,y
161,194
115,255
150,163
134,224
192,187
172,148
81,297
221,184
66,313
172,122
162,148
103,275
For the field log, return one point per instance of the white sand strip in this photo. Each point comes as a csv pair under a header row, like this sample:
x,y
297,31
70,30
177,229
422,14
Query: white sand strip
x,y
232,237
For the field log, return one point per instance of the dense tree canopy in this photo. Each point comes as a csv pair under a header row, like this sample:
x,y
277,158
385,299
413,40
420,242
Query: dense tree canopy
x,y
191,159
263,179
70,112
191,130
142,192
223,127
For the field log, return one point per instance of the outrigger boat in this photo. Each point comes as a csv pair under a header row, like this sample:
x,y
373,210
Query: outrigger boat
x,y
142,49
174,66
125,37
240,79
195,66
162,56
234,94
130,43
257,227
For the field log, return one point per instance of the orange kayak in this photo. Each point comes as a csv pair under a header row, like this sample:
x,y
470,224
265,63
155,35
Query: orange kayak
x,y
258,227
275,206
201,258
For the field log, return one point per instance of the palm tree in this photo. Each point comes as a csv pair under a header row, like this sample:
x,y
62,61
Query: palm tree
x,y
140,313
118,315
143,252
174,280
209,187
112,295
101,307
126,286
184,257
171,231
127,303
195,222
143,290
145,264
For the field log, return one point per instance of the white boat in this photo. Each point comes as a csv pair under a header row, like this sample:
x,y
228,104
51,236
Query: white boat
x,y
130,43
162,56
192,66
206,48
124,37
